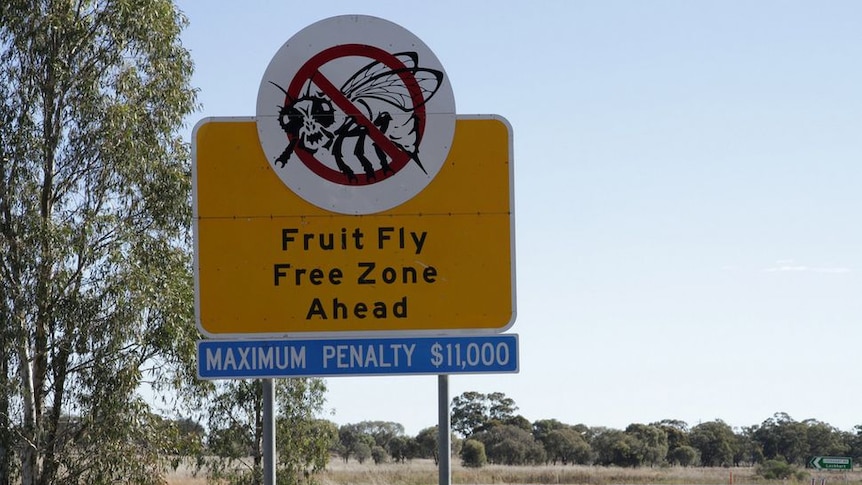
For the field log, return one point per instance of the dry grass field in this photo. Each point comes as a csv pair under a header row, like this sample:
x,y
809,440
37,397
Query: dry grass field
x,y
423,472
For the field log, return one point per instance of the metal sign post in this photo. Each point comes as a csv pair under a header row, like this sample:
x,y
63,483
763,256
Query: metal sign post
x,y
444,436
269,458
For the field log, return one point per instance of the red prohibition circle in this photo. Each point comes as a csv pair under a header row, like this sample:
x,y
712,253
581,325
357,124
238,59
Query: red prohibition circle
x,y
310,71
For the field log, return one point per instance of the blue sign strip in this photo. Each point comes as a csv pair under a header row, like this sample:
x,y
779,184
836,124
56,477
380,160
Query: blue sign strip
x,y
254,359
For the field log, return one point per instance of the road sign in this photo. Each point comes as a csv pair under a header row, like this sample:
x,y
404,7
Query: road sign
x,y
831,463
253,359
269,263
355,114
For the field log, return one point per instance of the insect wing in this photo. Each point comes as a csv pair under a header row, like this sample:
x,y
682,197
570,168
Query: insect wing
x,y
374,69
391,88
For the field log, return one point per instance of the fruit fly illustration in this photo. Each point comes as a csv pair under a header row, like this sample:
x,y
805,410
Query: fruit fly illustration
x,y
387,98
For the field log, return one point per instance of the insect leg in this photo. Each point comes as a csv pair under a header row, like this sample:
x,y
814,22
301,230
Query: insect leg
x,y
382,121
384,161
359,151
285,155
339,157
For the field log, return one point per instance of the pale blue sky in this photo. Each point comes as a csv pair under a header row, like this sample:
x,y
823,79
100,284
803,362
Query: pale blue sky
x,y
688,186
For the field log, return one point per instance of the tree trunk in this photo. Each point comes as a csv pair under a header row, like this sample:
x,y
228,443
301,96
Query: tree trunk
x,y
258,429
5,428
44,305
30,436
50,467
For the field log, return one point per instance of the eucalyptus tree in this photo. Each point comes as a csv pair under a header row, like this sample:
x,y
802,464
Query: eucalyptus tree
x,y
855,440
427,442
382,432
542,427
715,441
95,280
563,442
650,443
354,441
473,412
782,437
509,444
568,446
825,439
747,450
676,431
234,452
614,447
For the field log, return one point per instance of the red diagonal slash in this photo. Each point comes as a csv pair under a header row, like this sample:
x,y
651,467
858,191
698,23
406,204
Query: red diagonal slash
x,y
329,89
310,71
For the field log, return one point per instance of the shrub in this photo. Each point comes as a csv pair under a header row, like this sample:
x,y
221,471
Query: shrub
x,y
510,445
683,456
362,452
779,470
473,454
379,455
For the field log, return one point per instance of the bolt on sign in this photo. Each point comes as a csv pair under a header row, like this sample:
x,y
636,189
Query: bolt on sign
x,y
355,201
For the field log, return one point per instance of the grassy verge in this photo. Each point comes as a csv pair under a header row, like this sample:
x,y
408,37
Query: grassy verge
x,y
423,472
426,474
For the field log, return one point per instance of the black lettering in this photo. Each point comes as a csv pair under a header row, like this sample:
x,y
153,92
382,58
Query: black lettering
x,y
429,274
327,246
379,309
360,309
316,310
408,273
286,237
338,307
418,241
399,308
383,235
363,278
388,275
357,238
299,272
335,276
315,275
278,270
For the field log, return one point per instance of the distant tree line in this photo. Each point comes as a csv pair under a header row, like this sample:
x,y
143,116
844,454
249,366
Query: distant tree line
x,y
488,430
507,438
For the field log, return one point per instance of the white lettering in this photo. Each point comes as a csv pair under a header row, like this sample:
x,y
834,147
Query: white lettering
x,y
264,357
256,358
328,354
408,351
229,359
213,359
243,355
367,356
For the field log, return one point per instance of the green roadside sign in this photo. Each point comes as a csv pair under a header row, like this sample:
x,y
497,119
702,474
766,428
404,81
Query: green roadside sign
x,y
831,463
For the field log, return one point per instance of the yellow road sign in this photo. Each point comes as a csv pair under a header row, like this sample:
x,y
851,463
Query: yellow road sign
x,y
269,263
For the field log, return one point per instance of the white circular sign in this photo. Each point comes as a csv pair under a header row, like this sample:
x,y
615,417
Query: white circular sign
x,y
355,114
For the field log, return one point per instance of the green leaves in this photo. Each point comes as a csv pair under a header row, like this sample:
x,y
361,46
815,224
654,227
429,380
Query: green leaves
x,y
234,451
94,230
474,411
